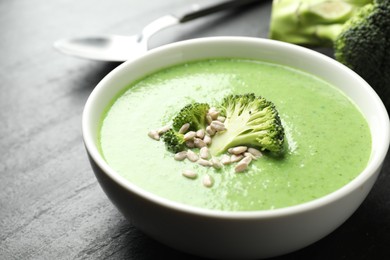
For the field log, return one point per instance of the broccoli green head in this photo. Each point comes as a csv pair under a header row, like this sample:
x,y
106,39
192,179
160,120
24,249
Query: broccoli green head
x,y
193,114
174,141
364,46
250,120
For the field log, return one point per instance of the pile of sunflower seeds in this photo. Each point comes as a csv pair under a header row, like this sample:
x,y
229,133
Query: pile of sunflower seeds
x,y
241,155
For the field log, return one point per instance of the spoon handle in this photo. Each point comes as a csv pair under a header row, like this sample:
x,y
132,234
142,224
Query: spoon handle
x,y
203,11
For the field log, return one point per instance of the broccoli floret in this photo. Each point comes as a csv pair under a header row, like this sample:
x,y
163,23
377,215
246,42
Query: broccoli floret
x,y
174,141
358,30
250,120
364,46
194,114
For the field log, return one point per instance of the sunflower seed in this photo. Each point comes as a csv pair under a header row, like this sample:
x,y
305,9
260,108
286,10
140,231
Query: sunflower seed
x,y
189,135
204,153
256,153
217,126
248,154
207,181
210,131
184,128
240,167
204,162
180,156
243,164
214,114
190,144
154,135
193,157
216,122
163,129
200,133
199,143
216,163
237,150
246,160
236,158
189,174
207,139
225,159
221,119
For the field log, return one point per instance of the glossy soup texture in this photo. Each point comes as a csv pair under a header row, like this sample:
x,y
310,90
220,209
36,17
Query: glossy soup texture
x,y
328,140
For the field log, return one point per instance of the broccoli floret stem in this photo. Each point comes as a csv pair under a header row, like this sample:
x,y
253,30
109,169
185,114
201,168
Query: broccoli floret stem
x,y
223,141
231,138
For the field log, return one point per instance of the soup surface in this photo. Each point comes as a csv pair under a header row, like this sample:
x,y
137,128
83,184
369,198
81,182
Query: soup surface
x,y
328,140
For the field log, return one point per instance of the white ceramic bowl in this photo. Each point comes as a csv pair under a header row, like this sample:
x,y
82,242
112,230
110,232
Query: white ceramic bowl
x,y
255,234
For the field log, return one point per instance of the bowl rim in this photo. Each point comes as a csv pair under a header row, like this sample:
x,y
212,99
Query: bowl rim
x,y
374,164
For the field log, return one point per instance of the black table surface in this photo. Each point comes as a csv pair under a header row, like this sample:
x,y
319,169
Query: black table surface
x,y
51,206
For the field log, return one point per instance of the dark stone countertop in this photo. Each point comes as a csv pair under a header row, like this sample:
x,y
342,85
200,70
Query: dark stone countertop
x,y
51,206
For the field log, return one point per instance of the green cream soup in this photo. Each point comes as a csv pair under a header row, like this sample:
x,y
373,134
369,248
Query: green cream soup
x,y
328,141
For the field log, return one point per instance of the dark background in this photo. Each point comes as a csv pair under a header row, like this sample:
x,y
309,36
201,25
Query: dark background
x,y
51,206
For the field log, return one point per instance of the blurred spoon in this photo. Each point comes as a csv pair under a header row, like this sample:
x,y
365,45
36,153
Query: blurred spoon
x,y
121,48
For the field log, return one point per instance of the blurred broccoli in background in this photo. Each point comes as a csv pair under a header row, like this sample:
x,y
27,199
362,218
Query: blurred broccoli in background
x,y
358,30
